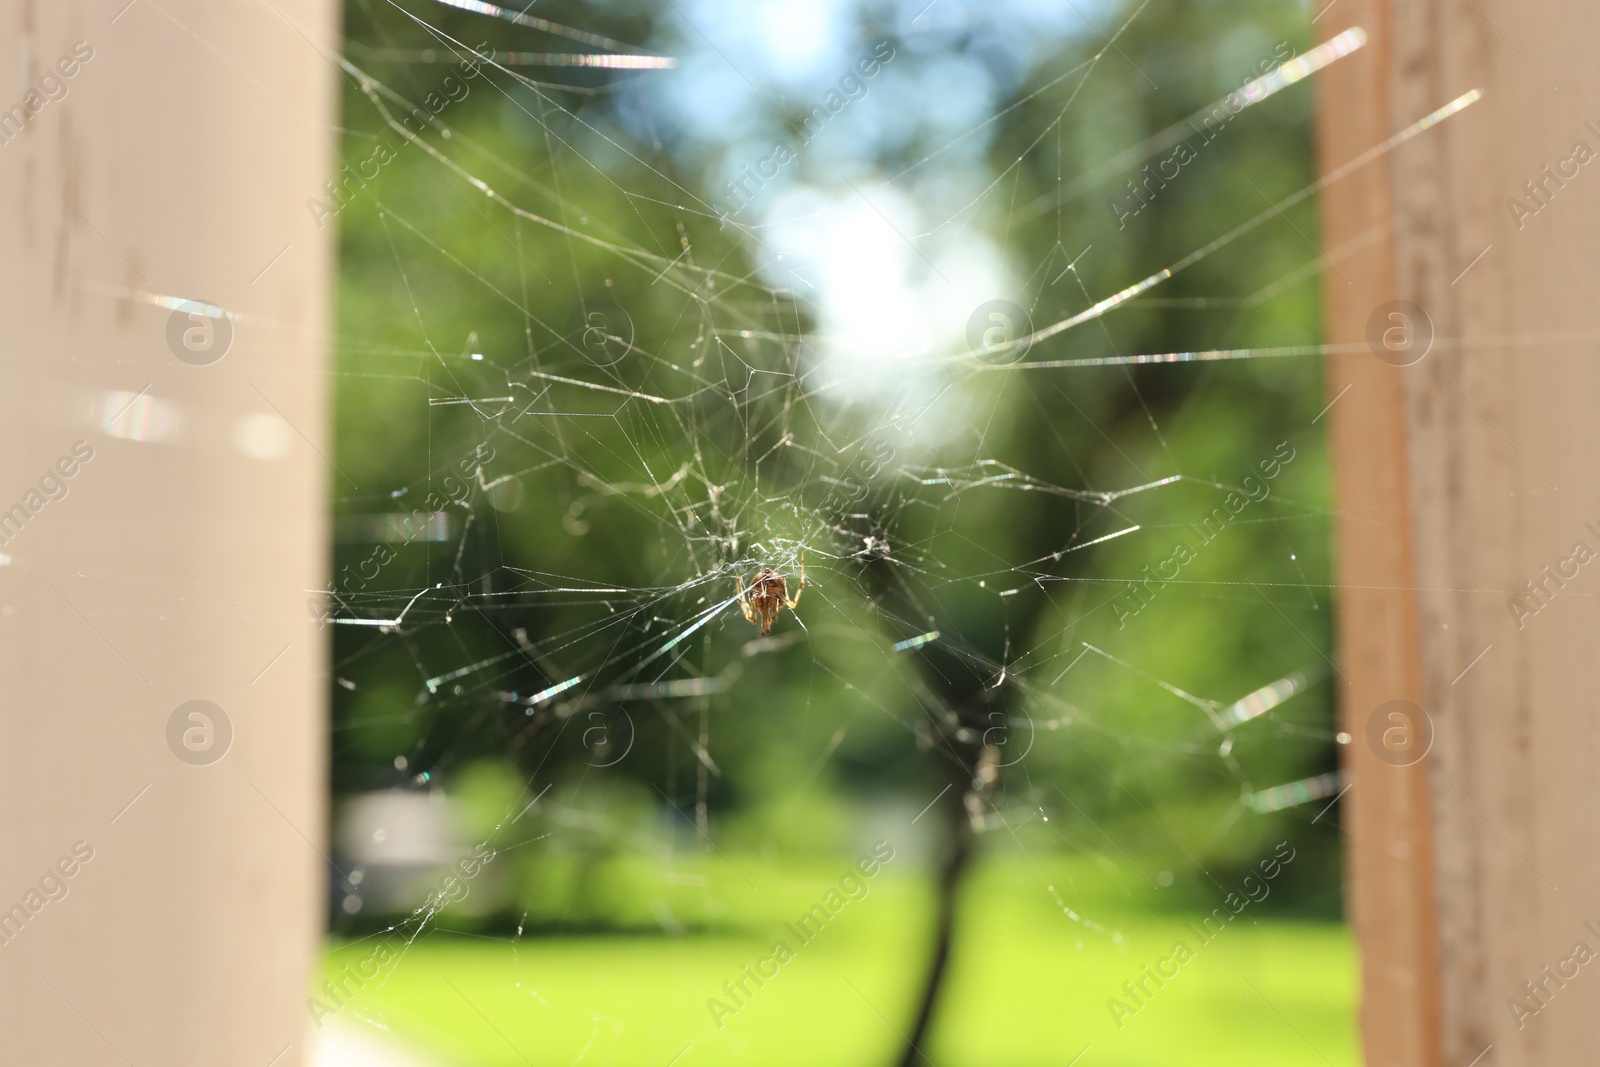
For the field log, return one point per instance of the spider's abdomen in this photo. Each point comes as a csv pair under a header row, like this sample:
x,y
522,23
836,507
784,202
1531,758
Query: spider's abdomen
x,y
767,598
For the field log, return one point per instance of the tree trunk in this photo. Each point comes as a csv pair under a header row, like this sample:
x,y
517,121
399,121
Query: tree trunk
x,y
958,846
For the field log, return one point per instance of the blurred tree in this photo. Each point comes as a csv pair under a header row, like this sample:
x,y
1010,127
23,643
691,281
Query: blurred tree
x,y
642,458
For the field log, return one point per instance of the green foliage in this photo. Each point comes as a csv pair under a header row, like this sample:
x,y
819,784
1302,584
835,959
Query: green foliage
x,y
621,501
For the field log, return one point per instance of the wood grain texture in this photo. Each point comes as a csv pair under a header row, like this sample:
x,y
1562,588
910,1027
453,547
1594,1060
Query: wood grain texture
x,y
176,164
1386,811
1459,478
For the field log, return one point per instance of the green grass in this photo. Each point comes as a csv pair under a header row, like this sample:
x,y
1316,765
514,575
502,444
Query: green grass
x,y
1029,986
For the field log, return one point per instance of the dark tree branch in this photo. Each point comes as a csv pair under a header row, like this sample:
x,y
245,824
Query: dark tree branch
x,y
953,866
959,690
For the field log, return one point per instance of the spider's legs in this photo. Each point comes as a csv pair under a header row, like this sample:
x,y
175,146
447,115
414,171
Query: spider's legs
x,y
801,588
744,604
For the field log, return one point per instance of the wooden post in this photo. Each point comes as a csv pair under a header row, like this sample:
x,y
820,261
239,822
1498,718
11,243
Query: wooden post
x,y
1463,470
162,491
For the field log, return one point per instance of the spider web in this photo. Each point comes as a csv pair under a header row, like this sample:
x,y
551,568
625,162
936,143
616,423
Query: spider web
x,y
602,355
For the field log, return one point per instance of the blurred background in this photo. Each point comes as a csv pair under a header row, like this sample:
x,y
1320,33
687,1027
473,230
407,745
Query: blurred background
x,y
637,299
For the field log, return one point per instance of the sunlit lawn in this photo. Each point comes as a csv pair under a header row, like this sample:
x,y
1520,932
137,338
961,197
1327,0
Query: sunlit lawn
x,y
1029,987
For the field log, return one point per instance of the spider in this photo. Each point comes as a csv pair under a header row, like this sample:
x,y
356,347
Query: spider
x,y
769,595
